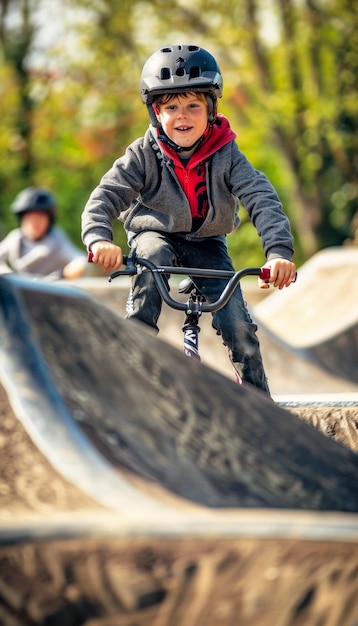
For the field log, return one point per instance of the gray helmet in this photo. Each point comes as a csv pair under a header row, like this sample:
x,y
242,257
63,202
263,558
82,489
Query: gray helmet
x,y
34,199
176,69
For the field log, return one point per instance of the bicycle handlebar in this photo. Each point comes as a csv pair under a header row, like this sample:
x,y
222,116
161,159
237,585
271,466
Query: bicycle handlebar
x,y
135,265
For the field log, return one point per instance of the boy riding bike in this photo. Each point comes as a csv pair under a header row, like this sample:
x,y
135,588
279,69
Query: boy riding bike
x,y
177,190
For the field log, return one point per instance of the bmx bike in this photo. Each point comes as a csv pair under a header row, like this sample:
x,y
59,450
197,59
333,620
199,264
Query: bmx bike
x,y
196,303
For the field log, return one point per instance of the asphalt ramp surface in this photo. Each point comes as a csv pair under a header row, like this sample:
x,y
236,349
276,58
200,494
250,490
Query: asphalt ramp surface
x,y
132,422
140,487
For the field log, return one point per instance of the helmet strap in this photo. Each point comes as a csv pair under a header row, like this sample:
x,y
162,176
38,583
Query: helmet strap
x,y
212,106
165,139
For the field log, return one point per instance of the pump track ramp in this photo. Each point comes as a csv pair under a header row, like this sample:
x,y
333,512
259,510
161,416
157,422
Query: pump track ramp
x,y
141,487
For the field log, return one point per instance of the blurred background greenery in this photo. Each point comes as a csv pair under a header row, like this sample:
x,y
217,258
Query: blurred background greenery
x,y
69,100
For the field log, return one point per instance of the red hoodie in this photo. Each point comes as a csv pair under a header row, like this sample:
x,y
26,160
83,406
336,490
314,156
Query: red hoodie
x,y
192,175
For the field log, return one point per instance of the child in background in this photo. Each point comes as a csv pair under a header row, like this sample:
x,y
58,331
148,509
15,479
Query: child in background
x,y
38,246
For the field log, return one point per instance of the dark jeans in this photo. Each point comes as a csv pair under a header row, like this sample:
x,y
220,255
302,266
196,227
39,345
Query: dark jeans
x,y
232,321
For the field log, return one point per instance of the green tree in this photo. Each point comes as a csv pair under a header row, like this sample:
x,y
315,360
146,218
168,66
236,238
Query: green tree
x,y
290,72
15,98
308,81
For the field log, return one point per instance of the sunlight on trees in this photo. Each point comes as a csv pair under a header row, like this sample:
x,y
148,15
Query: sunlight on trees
x,y
70,104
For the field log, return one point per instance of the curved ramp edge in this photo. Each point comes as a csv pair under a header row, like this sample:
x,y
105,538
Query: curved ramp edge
x,y
125,401
318,315
38,404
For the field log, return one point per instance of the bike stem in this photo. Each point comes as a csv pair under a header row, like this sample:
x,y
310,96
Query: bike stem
x,y
191,328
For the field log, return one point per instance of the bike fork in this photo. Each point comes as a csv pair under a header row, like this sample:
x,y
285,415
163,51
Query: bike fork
x,y
191,337
191,330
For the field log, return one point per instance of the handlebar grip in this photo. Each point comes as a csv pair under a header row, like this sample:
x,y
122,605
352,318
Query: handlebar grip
x,y
265,274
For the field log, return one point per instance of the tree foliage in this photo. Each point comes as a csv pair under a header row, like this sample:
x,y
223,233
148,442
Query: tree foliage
x,y
290,75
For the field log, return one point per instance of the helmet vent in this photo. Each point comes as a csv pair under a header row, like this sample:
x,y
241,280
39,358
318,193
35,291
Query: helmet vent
x,y
165,73
180,65
177,69
195,71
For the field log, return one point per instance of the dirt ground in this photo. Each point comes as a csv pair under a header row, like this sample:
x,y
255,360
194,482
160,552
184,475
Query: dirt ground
x,y
73,577
340,423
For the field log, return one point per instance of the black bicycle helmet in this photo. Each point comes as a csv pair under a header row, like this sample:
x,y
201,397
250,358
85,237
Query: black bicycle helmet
x,y
34,199
176,69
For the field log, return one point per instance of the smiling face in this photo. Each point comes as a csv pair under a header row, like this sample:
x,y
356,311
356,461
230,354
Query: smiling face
x,y
183,117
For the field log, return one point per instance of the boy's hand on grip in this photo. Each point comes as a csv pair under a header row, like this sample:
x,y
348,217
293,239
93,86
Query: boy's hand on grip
x,y
107,255
282,274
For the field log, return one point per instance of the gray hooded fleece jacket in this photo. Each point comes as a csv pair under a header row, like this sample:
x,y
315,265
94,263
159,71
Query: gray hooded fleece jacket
x,y
142,190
